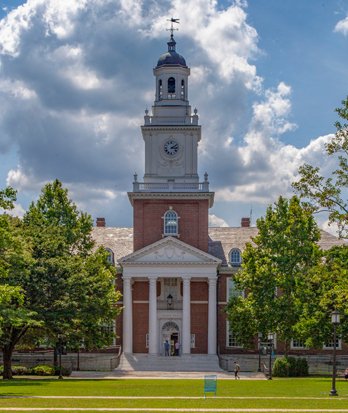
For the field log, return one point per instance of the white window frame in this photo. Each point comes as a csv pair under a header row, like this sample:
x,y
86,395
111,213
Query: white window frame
x,y
329,344
110,257
294,346
235,263
147,340
165,223
230,338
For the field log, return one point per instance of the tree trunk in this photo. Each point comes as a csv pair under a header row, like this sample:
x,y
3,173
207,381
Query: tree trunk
x,y
55,356
7,358
287,348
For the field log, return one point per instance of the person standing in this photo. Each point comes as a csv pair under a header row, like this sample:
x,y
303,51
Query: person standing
x,y
236,370
177,347
166,348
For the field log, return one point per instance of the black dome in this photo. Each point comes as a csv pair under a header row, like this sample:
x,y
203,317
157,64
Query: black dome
x,y
171,58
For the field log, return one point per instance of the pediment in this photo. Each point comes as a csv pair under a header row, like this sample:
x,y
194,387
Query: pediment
x,y
169,251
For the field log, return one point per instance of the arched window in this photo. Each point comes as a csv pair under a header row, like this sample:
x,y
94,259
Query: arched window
x,y
171,223
160,91
171,87
110,257
182,92
235,257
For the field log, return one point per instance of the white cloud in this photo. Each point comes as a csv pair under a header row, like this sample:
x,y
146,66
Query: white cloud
x,y
215,221
76,77
342,26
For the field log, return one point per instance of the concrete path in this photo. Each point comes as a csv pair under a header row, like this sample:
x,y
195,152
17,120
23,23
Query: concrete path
x,y
120,374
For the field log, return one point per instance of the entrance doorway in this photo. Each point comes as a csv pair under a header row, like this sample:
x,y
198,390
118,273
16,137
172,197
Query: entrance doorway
x,y
175,344
170,333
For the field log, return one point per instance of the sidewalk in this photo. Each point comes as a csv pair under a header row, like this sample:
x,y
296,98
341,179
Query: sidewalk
x,y
120,374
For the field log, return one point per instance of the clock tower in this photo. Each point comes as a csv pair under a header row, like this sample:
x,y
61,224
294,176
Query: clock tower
x,y
171,201
170,265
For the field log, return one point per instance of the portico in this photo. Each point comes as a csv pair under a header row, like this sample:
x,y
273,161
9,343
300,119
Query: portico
x,y
174,267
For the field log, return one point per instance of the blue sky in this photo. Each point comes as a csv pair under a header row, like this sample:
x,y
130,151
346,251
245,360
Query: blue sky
x,y
266,76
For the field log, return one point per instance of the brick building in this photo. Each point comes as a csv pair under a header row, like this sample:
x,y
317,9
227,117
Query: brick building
x,y
175,273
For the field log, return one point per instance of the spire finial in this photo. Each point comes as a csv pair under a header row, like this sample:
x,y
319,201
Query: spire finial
x,y
172,20
172,43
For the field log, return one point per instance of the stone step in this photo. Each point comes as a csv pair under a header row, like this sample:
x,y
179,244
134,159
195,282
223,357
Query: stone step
x,y
146,362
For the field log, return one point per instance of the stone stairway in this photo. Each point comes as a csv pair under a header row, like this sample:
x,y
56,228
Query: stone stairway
x,y
185,363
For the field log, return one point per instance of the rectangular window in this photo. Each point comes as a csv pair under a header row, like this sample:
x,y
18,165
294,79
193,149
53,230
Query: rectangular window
x,y
232,290
329,345
170,282
231,340
147,340
297,344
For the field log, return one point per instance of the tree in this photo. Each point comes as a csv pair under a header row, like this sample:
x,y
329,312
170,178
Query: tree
x,y
329,194
326,291
68,286
16,317
7,198
72,284
272,273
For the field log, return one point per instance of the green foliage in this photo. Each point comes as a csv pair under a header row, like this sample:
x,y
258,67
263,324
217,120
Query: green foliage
x,y
7,198
326,291
329,194
17,370
65,371
273,271
61,284
302,367
290,367
43,370
281,367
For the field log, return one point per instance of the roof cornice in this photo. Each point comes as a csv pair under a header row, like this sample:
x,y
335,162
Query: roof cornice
x,y
173,195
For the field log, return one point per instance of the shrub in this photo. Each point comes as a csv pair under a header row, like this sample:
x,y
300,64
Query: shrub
x,y
302,367
43,370
281,367
19,370
290,367
65,371
16,370
292,362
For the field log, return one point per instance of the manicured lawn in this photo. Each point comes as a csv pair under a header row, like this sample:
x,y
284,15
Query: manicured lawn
x,y
161,395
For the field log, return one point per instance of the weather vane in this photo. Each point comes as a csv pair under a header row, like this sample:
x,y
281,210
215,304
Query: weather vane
x,y
172,21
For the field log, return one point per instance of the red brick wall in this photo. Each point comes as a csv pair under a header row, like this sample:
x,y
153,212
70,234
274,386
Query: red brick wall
x,y
193,222
140,327
199,327
199,316
199,291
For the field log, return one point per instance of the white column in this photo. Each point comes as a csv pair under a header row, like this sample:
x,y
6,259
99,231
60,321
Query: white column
x,y
186,317
212,316
127,316
153,339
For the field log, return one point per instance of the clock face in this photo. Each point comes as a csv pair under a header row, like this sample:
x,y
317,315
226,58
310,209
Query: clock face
x,y
171,147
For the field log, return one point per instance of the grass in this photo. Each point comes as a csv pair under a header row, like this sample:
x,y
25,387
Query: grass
x,y
308,393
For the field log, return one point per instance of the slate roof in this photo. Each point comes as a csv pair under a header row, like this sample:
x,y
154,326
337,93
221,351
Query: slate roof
x,y
221,240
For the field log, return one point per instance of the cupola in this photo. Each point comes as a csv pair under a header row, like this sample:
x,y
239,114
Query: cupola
x,y
171,58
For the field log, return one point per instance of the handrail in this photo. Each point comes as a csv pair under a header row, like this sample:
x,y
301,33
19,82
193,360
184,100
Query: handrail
x,y
171,186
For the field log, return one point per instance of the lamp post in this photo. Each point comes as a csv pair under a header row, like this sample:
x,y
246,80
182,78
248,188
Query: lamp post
x,y
270,345
60,350
335,320
259,338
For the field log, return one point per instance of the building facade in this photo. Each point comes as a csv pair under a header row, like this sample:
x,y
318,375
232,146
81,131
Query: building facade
x,y
175,273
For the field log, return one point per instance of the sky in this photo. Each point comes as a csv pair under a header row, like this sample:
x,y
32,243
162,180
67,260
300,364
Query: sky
x,y
76,77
